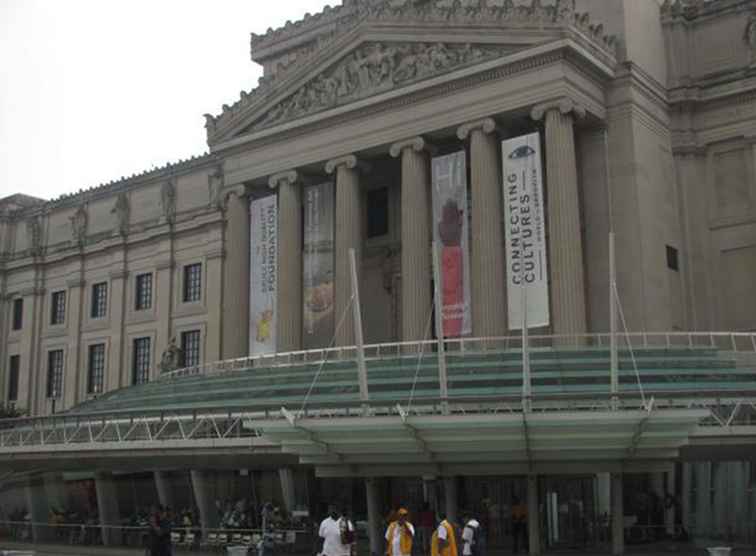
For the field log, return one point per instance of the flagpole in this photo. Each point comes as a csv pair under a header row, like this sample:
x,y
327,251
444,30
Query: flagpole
x,y
613,354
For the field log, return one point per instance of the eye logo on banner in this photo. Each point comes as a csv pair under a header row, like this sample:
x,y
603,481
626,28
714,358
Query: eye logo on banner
x,y
263,302
450,233
527,266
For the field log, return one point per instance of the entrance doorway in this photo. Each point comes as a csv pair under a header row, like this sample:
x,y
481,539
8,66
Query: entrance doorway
x,y
569,516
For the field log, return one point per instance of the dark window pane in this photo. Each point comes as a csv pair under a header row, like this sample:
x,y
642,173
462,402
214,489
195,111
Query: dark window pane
x,y
192,282
672,258
18,314
54,373
99,300
96,374
58,308
141,361
15,363
377,212
190,346
143,292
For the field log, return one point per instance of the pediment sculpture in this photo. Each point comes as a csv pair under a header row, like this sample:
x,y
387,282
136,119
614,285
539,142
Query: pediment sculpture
x,y
168,200
374,68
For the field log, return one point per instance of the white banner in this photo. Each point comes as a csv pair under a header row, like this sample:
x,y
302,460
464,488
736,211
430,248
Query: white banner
x,y
450,232
263,275
525,231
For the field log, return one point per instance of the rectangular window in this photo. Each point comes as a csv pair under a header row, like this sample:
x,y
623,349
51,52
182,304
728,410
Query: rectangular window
x,y
377,212
143,292
99,300
190,346
192,282
141,361
673,262
54,373
15,364
18,313
58,308
96,372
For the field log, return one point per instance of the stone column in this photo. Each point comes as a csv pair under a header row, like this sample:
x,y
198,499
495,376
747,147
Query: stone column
x,y
416,237
107,509
164,491
618,516
487,249
534,517
236,275
205,503
565,236
289,260
288,488
451,498
348,236
374,518
38,506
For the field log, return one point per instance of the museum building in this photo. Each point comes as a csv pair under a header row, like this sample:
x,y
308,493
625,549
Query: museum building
x,y
283,285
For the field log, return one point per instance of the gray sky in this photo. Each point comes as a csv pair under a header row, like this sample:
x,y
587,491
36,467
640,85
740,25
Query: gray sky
x,y
91,90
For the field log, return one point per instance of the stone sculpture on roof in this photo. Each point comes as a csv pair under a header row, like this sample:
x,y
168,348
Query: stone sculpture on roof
x,y
122,210
79,223
168,200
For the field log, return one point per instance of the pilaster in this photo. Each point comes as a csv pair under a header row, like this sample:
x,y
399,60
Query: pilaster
x,y
289,260
75,311
236,275
118,283
164,299
348,236
487,250
416,237
565,235
214,292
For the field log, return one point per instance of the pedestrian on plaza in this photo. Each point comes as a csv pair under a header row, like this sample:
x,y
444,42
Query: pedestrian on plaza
x,y
425,521
399,535
160,536
336,535
473,537
444,540
519,525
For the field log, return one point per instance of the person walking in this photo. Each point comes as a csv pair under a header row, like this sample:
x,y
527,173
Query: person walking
x,y
473,537
444,541
336,534
399,535
519,525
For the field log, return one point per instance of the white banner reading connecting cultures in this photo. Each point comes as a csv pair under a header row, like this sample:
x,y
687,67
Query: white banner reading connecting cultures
x,y
450,232
263,275
526,231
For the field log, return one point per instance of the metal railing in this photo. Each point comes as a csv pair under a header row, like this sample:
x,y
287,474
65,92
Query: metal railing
x,y
725,341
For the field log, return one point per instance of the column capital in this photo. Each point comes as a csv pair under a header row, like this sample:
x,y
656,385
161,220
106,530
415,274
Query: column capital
x,y
349,161
565,105
289,177
486,125
417,144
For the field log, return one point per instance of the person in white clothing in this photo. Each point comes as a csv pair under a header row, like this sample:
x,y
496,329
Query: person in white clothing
x,y
468,536
336,534
399,535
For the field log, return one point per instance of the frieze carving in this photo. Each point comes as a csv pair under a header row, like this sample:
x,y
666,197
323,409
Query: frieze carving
x,y
375,68
34,231
79,224
122,211
168,200
545,14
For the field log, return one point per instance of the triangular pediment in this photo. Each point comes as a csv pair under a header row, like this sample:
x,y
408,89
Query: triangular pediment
x,y
378,49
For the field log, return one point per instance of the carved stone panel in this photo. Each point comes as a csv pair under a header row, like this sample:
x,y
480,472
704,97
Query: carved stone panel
x,y
375,68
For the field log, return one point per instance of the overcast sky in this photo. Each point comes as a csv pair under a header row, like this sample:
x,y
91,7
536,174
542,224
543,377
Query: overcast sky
x,y
91,90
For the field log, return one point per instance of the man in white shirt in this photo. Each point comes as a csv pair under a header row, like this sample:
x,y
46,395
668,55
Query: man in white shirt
x,y
334,531
399,535
471,537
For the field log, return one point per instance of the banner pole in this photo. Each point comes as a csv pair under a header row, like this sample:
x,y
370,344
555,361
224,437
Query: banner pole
x,y
614,358
527,391
359,342
442,379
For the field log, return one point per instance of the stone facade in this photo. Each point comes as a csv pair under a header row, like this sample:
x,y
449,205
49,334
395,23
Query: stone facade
x,y
648,115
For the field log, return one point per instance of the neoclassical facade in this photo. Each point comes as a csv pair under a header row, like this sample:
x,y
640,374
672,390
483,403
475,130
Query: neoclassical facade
x,y
647,113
